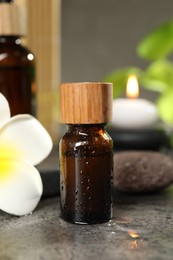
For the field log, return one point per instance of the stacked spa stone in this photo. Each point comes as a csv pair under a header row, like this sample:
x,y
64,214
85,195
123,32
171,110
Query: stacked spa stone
x,y
142,172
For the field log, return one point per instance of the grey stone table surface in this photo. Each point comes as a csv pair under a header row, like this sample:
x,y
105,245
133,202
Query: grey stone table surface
x,y
142,228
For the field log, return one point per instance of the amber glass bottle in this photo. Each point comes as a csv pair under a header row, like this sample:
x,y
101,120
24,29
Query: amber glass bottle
x,y
17,65
86,158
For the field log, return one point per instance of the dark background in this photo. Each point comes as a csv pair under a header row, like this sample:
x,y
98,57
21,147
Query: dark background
x,y
99,36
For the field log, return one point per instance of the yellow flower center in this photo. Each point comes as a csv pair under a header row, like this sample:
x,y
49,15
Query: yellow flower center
x,y
6,167
7,153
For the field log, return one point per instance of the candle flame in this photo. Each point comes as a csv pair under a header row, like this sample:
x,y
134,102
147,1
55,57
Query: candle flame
x,y
132,89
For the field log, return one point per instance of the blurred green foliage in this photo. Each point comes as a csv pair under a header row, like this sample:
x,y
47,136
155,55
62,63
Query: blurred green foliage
x,y
156,48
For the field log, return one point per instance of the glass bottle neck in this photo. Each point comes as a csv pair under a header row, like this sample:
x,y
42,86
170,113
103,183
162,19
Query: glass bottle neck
x,y
86,128
10,39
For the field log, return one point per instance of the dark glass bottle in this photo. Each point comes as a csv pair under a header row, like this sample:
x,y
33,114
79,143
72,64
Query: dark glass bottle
x,y
17,68
17,75
86,163
86,157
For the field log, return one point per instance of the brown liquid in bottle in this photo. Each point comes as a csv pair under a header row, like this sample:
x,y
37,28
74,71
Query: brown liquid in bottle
x,y
17,73
86,166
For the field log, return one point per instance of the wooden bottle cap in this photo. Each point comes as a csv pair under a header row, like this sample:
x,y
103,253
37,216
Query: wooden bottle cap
x,y
12,19
85,103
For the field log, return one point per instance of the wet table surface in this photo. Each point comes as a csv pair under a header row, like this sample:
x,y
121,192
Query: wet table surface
x,y
141,229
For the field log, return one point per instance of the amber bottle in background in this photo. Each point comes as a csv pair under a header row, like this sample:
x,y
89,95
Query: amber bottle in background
x,y
86,158
17,65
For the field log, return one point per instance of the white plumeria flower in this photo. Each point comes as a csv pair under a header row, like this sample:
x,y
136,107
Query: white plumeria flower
x,y
24,142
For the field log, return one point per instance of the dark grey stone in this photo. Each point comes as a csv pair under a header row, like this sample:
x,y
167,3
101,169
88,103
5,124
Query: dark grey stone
x,y
142,171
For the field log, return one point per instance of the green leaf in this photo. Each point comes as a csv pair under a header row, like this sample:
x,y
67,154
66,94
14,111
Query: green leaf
x,y
165,106
119,79
158,43
158,76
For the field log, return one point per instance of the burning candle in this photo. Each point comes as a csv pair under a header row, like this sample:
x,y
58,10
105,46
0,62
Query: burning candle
x,y
132,112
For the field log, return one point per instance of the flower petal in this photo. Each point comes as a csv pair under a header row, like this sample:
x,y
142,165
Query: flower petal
x,y
28,136
20,187
4,110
